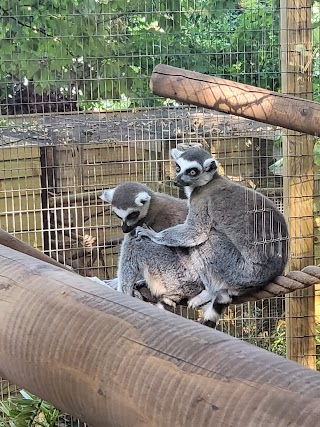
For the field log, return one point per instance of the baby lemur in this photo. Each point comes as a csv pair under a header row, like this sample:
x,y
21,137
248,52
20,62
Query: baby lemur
x,y
136,204
233,241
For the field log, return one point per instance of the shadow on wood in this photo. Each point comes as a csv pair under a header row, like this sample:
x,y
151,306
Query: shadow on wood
x,y
236,98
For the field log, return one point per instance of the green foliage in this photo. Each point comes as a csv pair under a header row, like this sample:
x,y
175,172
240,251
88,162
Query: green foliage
x,y
316,50
316,152
28,411
103,49
278,344
278,341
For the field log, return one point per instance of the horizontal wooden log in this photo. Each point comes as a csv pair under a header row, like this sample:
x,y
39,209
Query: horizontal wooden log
x,y
112,360
236,98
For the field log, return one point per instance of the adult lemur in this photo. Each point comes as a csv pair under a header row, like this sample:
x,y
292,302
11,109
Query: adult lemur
x,y
234,239
136,204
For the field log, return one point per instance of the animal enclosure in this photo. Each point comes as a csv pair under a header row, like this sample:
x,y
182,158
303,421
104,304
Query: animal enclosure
x,y
77,117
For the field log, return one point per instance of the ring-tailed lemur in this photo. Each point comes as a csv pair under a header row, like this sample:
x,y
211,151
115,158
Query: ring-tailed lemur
x,y
136,204
234,239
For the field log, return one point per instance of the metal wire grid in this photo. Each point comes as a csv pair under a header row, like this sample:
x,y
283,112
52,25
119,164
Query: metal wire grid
x,y
61,164
102,53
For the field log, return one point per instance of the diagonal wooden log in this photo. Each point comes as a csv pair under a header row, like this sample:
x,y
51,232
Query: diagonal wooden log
x,y
236,98
113,361
12,242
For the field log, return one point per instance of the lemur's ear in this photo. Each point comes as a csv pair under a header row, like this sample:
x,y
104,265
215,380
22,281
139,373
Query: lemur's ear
x,y
210,165
107,195
142,198
175,153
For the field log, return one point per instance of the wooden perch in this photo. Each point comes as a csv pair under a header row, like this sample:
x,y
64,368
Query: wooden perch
x,y
236,98
12,242
111,360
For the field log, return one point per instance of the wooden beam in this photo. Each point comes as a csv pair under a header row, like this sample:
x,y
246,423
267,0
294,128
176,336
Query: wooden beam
x,y
296,76
112,360
8,240
236,98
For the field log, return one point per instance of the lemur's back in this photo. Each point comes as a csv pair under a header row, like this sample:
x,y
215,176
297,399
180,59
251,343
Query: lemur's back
x,y
252,222
166,211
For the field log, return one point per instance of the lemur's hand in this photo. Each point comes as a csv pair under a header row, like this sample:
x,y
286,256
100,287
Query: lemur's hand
x,y
144,232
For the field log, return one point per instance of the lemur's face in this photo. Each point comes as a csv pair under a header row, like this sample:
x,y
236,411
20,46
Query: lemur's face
x,y
133,215
131,209
194,167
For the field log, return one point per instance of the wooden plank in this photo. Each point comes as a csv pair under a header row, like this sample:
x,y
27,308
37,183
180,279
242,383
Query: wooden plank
x,y
111,168
21,152
232,145
104,182
10,203
16,221
93,153
20,193
19,168
99,183
298,177
20,184
123,153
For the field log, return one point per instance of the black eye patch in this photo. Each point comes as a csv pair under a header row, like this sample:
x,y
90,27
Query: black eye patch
x,y
192,171
132,216
178,168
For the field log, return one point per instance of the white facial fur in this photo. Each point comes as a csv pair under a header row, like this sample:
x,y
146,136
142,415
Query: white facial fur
x,y
207,164
141,204
191,182
175,153
186,164
107,195
122,213
142,198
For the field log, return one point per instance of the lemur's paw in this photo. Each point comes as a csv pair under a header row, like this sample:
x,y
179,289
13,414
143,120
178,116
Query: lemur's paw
x,y
144,232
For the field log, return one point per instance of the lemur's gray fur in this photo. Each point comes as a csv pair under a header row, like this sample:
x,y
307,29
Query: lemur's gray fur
x,y
234,239
136,204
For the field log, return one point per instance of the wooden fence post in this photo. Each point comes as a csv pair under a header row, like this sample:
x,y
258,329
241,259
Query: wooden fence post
x,y
296,73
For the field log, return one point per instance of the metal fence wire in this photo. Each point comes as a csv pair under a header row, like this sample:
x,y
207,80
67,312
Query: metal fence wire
x,y
78,116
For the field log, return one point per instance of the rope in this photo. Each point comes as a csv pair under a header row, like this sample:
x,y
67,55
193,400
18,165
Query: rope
x,y
293,281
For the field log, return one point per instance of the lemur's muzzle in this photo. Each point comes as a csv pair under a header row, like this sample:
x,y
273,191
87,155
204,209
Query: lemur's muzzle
x,y
180,182
128,228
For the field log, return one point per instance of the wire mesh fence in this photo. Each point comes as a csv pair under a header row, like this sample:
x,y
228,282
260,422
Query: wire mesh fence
x,y
77,116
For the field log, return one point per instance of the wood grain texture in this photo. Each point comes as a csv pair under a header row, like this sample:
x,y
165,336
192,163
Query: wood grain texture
x,y
6,239
236,98
112,360
298,179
